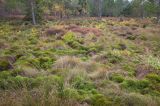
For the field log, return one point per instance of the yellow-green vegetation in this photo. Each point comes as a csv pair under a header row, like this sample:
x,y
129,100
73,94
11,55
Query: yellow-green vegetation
x,y
76,62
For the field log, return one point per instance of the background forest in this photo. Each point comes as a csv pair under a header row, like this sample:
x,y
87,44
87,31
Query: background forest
x,y
79,52
73,8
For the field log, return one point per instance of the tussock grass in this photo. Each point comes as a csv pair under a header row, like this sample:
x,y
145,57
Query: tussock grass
x,y
108,62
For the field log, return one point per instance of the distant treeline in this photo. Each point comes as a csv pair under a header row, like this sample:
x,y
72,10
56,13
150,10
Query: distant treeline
x,y
35,9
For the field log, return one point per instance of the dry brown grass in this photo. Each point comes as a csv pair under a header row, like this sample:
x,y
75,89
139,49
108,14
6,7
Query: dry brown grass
x,y
31,72
100,58
66,62
70,62
35,97
100,73
72,73
143,70
76,66
3,45
125,31
84,30
55,31
60,30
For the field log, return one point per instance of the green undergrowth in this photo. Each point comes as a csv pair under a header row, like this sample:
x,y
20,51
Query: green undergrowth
x,y
79,68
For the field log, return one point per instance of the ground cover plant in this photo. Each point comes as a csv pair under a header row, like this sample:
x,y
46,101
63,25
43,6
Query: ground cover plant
x,y
104,62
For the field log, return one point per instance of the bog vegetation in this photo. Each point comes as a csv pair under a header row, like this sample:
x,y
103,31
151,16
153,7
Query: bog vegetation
x,y
68,58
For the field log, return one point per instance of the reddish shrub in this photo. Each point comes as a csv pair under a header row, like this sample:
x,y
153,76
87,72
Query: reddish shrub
x,y
70,27
3,45
126,32
142,71
84,30
6,62
54,31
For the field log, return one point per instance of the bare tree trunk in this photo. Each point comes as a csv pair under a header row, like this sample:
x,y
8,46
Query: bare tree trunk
x,y
157,3
100,8
158,14
33,12
142,11
2,8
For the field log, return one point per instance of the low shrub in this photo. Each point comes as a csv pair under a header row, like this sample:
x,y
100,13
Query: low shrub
x,y
154,80
142,84
130,68
69,37
46,62
33,40
112,58
41,62
4,65
153,77
59,44
82,84
131,37
136,85
100,100
143,37
117,78
72,93
154,62
70,52
20,82
5,74
135,99
12,83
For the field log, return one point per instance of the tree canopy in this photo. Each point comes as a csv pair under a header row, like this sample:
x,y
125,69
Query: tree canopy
x,y
35,9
